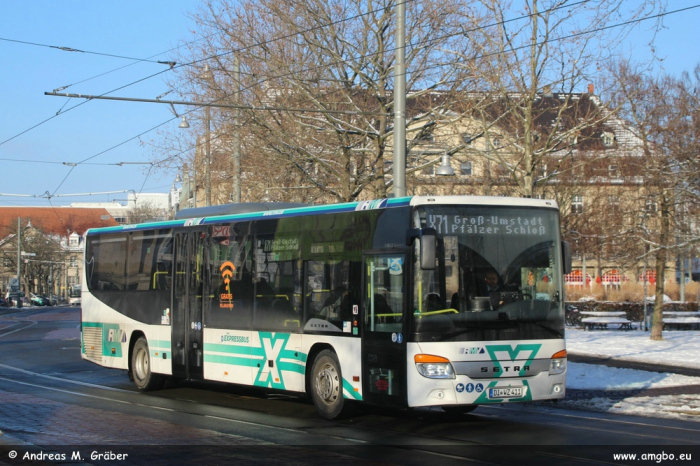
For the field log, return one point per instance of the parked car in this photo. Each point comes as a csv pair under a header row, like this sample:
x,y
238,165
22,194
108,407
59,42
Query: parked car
x,y
38,300
50,301
3,303
11,299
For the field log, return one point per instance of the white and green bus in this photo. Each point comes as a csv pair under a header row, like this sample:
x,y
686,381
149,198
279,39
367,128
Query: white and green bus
x,y
383,302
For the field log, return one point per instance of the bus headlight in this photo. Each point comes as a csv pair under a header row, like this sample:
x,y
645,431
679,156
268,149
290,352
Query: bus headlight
x,y
557,364
434,367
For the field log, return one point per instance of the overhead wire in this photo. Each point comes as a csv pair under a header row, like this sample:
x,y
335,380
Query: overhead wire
x,y
87,52
312,68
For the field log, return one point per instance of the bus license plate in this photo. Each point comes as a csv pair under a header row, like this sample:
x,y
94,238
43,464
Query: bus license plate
x,y
506,392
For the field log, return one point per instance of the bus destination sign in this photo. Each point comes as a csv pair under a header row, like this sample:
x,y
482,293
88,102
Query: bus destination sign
x,y
516,225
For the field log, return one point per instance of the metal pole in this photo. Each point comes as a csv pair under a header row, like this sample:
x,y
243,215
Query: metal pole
x,y
644,301
399,165
19,262
236,134
207,161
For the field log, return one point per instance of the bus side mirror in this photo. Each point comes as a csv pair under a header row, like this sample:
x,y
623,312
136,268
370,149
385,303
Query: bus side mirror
x,y
566,257
428,246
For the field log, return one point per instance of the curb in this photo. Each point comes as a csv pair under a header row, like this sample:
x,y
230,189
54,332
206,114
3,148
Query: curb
x,y
627,364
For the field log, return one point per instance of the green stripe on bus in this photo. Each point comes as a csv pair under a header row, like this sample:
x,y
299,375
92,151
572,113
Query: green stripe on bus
x,y
219,348
347,387
230,360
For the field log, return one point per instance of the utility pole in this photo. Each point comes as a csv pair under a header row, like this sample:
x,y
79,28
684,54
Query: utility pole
x,y
399,165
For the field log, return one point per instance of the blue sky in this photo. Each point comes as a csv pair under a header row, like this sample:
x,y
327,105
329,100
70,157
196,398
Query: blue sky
x,y
139,30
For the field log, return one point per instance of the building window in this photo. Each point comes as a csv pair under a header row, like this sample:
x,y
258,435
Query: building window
x,y
651,206
577,205
429,170
73,262
467,138
497,143
465,168
608,139
613,171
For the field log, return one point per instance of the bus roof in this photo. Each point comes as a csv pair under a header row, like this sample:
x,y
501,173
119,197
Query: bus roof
x,y
254,211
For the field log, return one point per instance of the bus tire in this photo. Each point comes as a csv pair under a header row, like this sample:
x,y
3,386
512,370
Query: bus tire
x,y
144,378
327,385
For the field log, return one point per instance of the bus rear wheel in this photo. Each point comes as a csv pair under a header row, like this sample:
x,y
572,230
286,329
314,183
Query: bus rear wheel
x,y
327,385
144,378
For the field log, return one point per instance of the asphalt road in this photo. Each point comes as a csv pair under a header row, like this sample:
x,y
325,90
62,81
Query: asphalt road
x,y
54,403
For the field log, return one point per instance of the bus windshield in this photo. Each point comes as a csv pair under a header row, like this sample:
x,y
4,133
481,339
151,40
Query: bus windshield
x,y
498,275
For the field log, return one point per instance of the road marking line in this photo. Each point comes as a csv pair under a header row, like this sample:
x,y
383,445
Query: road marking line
x,y
85,384
256,424
66,391
33,323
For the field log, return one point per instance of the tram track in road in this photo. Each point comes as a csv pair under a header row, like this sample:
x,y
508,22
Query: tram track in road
x,y
600,421
24,324
304,431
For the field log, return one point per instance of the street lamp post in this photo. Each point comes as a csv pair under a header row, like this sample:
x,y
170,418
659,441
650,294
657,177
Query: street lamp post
x,y
207,157
207,75
236,135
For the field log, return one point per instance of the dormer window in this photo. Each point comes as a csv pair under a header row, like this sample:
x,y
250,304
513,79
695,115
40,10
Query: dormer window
x,y
608,139
613,171
74,240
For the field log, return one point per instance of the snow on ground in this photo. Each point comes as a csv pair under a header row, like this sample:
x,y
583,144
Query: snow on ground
x,y
679,348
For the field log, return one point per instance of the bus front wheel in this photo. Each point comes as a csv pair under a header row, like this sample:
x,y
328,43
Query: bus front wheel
x,y
144,378
327,385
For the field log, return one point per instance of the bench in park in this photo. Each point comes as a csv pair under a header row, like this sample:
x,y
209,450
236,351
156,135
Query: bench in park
x,y
681,320
601,323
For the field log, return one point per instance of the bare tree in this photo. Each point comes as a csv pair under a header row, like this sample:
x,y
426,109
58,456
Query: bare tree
x,y
333,63
533,67
145,212
654,107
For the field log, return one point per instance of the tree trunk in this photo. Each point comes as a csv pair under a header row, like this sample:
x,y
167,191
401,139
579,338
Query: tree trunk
x,y
657,328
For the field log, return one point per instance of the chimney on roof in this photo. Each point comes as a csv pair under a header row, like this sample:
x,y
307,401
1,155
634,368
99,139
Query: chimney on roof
x,y
590,88
547,91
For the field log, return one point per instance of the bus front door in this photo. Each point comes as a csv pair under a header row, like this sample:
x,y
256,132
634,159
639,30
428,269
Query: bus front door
x,y
187,334
383,332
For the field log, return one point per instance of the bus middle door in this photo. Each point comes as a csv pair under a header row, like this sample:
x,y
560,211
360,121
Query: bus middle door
x,y
188,292
384,325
